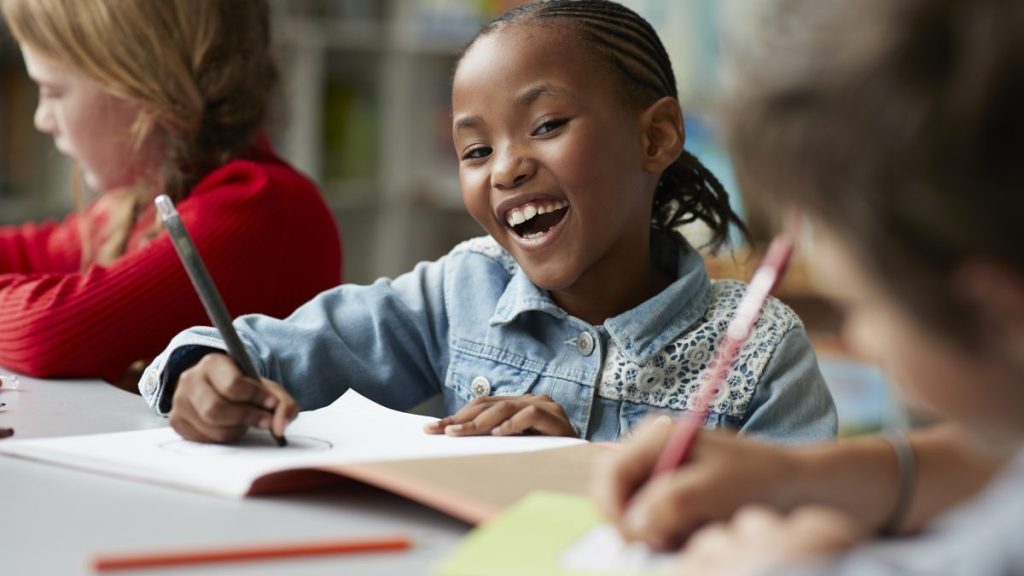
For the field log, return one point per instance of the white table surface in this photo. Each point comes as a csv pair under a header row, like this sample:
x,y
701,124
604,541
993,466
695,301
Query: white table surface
x,y
55,520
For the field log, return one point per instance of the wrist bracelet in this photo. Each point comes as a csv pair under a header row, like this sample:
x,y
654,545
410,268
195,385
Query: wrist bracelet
x,y
907,465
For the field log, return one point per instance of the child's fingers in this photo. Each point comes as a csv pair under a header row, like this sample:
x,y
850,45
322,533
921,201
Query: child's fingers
x,y
287,408
483,415
187,422
704,554
212,409
197,391
549,420
667,509
486,420
185,428
224,434
769,541
201,411
438,426
228,381
525,419
466,414
756,520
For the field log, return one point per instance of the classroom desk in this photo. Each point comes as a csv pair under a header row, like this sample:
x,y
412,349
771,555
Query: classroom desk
x,y
53,519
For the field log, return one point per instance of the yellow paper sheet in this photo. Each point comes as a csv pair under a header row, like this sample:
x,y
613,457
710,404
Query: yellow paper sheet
x,y
541,536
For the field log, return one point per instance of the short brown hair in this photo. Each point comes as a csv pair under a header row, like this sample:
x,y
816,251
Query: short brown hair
x,y
899,124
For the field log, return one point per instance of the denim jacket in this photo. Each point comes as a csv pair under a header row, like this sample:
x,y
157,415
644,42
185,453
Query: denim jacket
x,y
472,324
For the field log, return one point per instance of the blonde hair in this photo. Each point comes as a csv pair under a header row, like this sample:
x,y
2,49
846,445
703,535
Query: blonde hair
x,y
200,70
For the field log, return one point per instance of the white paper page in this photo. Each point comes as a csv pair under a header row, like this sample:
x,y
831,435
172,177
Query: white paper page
x,y
352,429
601,550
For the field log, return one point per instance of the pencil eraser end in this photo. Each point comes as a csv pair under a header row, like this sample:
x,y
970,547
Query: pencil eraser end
x,y
164,206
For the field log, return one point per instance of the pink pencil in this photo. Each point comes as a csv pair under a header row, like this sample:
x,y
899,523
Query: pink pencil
x,y
684,432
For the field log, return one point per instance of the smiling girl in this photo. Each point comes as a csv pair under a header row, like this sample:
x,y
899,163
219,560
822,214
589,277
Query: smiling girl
x,y
150,97
584,309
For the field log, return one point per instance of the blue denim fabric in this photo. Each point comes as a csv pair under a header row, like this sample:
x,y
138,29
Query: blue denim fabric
x,y
473,324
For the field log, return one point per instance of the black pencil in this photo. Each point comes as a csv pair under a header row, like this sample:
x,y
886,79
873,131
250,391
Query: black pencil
x,y
207,291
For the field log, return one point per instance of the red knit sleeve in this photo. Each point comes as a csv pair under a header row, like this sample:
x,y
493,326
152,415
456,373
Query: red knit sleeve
x,y
244,219
46,247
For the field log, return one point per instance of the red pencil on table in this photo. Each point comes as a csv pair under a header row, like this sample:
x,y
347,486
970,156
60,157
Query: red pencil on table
x,y
685,430
237,554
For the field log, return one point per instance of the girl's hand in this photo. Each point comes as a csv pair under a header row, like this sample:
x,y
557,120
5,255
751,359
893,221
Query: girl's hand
x,y
760,540
505,416
214,402
722,474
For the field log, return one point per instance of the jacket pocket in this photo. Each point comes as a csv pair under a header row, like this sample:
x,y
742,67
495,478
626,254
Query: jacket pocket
x,y
471,376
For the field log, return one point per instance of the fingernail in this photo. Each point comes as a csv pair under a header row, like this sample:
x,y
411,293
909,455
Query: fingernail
x,y
265,422
453,429
270,403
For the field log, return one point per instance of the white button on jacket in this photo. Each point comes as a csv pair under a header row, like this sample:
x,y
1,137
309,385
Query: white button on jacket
x,y
480,387
585,343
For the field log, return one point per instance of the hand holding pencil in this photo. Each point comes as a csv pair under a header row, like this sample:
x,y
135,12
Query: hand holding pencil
x,y
215,402
219,399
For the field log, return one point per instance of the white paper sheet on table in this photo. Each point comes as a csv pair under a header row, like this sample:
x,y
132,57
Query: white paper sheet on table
x,y
351,430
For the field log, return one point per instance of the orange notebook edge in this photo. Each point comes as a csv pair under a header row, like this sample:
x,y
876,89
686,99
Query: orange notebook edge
x,y
472,489
441,498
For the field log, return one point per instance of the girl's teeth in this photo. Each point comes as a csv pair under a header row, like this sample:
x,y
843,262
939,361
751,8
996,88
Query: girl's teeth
x,y
517,216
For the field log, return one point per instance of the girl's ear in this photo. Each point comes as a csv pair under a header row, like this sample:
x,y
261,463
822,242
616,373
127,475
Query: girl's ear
x,y
997,293
662,135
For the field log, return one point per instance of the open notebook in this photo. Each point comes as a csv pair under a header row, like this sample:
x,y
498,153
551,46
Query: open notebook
x,y
470,478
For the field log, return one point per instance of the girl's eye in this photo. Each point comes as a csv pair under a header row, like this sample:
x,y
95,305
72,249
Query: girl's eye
x,y
477,153
550,126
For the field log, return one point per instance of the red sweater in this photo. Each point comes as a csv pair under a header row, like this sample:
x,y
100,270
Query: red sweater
x,y
262,229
